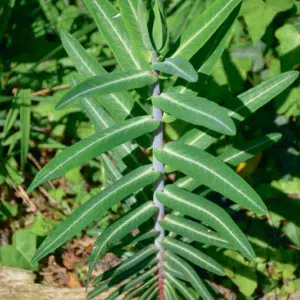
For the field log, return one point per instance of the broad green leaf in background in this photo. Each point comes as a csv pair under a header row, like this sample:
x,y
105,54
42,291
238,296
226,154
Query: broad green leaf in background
x,y
211,214
212,172
93,146
95,207
118,230
196,110
20,253
108,83
25,114
177,66
258,15
289,46
203,27
112,28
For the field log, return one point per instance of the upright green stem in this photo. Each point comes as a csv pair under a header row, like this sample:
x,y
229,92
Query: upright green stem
x,y
158,143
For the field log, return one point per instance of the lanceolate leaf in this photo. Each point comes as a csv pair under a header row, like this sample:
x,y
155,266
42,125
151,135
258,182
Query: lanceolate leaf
x,y
129,13
212,172
112,27
203,27
195,110
118,105
140,278
193,231
25,113
244,152
127,264
193,255
93,146
140,289
118,230
177,66
235,156
125,275
95,207
108,83
189,273
251,100
208,212
181,287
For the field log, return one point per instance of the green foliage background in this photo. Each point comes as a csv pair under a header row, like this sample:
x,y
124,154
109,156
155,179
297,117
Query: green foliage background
x,y
35,73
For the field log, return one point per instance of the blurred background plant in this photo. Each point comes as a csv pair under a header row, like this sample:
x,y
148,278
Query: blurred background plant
x,y
35,73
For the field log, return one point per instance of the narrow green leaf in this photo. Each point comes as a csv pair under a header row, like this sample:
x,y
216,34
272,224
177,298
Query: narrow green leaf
x,y
112,28
12,115
25,113
193,231
129,13
160,27
189,273
212,172
177,66
97,205
131,262
195,110
235,156
140,289
124,276
244,152
181,287
252,100
193,255
118,105
93,146
144,236
149,294
140,278
108,83
203,27
211,214
115,232
143,16
171,290
245,105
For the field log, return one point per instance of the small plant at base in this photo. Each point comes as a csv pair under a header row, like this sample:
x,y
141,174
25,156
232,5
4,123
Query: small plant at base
x,y
139,39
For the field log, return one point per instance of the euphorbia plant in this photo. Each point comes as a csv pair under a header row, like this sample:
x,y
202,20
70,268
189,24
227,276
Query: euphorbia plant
x,y
167,76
